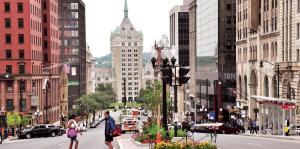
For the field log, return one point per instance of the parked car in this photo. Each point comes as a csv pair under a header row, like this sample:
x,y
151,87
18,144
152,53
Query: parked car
x,y
186,126
93,124
295,130
201,128
62,130
38,131
224,128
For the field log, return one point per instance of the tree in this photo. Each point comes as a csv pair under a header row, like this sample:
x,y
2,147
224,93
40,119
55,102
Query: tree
x,y
13,119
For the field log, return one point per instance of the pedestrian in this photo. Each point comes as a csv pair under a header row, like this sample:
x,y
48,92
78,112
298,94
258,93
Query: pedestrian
x,y
254,127
287,127
250,126
73,130
110,126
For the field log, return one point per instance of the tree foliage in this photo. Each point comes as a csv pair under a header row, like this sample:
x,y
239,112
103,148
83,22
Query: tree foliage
x,y
151,95
13,119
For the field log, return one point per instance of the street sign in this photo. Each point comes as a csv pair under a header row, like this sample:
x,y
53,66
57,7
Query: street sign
x,y
287,107
212,115
34,100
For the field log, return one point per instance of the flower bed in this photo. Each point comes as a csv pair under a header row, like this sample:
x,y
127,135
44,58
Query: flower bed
x,y
168,145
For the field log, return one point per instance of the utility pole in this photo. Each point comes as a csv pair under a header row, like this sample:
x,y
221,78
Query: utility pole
x,y
207,96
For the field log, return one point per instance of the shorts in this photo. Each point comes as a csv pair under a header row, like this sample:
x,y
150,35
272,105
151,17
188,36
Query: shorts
x,y
74,139
109,138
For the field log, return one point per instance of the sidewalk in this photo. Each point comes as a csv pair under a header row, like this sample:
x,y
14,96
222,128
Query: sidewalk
x,y
126,142
272,136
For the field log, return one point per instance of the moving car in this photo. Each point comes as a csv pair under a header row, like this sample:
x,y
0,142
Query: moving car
x,y
129,125
224,128
38,131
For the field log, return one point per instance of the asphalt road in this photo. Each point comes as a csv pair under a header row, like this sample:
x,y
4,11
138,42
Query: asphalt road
x,y
92,139
249,142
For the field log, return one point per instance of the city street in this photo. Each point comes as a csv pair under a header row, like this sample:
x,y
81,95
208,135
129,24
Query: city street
x,y
92,139
249,142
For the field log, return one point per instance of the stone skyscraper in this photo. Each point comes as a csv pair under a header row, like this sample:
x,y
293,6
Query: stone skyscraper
x,y
126,47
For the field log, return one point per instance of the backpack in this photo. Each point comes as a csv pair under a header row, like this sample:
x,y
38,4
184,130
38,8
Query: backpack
x,y
116,131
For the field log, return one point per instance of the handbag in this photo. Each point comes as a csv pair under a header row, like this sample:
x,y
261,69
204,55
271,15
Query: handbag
x,y
71,133
117,132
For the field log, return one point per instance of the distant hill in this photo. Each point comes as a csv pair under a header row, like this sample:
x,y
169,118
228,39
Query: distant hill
x,y
105,61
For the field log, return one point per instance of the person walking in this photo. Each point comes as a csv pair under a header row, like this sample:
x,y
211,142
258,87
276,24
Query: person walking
x,y
110,126
73,130
254,127
250,126
287,127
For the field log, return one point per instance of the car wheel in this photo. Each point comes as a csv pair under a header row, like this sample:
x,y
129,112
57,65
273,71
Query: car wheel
x,y
53,134
28,136
123,132
223,132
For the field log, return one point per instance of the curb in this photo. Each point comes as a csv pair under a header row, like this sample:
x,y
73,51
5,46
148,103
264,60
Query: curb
x,y
272,136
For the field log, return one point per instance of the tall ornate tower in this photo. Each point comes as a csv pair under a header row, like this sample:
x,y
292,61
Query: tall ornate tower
x,y
127,57
63,85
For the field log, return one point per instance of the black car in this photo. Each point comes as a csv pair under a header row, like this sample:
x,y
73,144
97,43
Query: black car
x,y
62,130
186,126
38,131
93,124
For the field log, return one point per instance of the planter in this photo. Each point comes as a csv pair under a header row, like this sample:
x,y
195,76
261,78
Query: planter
x,y
139,144
181,139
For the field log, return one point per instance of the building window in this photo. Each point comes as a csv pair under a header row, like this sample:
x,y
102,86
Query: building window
x,y
45,31
74,6
23,105
73,71
21,69
22,86
298,30
21,23
9,69
21,54
20,7
44,18
8,54
45,44
9,105
7,7
9,86
74,15
266,86
44,5
7,23
21,38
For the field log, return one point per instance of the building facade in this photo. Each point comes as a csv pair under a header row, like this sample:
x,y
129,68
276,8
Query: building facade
x,y
126,48
215,60
267,40
73,39
27,52
90,72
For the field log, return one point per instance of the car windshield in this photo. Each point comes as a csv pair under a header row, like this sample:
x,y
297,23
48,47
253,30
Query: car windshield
x,y
28,127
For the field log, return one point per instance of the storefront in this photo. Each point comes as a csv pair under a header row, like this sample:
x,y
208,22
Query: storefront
x,y
272,114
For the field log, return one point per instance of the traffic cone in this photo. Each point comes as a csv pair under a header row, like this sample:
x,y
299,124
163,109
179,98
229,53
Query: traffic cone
x,y
158,138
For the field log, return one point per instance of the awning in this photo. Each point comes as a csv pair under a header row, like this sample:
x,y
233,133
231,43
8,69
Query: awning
x,y
273,100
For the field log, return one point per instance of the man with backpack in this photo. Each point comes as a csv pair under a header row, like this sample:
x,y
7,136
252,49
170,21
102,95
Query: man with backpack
x,y
110,127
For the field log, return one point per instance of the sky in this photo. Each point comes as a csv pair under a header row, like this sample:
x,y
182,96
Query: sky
x,y
103,16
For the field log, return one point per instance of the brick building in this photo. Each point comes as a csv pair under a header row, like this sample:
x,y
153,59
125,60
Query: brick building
x,y
30,44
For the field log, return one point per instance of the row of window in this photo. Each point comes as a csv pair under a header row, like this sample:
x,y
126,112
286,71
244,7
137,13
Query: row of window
x,y
130,50
8,39
266,5
10,105
8,23
130,64
129,60
131,93
7,7
129,44
9,69
245,15
242,53
130,69
8,53
129,55
130,74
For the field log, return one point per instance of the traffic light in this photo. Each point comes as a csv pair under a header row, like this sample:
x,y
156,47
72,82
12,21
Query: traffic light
x,y
167,75
182,75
